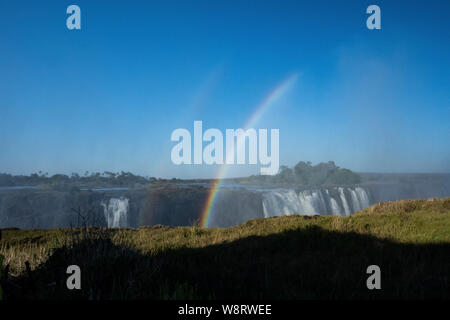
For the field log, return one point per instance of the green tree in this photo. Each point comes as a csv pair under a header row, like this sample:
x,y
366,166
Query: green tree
x,y
302,172
343,176
285,175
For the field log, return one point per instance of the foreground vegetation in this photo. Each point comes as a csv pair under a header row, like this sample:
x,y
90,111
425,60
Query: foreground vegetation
x,y
292,257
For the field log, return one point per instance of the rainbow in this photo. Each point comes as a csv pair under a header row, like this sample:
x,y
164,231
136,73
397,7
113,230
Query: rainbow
x,y
269,101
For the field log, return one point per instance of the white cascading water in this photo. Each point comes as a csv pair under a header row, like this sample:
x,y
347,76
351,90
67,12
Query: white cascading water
x,y
116,212
311,201
344,201
281,203
355,200
334,201
335,207
363,197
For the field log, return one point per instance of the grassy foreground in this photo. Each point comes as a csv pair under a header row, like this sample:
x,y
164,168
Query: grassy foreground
x,y
291,257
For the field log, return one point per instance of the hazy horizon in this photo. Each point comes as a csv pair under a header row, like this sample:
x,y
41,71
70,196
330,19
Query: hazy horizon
x,y
83,173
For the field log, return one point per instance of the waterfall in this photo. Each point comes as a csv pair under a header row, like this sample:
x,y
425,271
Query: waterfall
x,y
363,196
355,200
116,212
280,203
307,202
344,201
331,201
312,201
335,207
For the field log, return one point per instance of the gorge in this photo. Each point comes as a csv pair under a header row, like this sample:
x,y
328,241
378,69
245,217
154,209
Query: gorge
x,y
181,203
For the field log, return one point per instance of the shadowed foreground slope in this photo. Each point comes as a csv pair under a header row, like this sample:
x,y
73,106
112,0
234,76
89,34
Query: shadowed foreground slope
x,y
294,257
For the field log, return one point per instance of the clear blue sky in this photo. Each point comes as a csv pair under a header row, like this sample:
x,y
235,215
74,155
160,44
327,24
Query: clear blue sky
x,y
108,96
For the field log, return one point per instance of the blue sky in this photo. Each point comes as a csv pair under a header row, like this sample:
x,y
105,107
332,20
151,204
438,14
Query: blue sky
x,y
108,96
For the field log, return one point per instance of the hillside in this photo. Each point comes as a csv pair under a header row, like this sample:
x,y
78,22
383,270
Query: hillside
x,y
291,257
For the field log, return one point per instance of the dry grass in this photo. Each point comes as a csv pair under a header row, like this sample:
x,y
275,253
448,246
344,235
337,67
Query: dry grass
x,y
176,262
405,206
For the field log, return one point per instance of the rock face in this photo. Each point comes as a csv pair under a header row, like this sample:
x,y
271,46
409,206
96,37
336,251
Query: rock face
x,y
45,209
183,204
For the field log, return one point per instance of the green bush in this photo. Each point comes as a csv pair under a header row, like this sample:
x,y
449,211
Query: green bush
x,y
343,176
307,174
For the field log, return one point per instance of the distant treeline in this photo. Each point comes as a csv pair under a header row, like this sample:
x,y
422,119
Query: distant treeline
x,y
305,174
95,179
